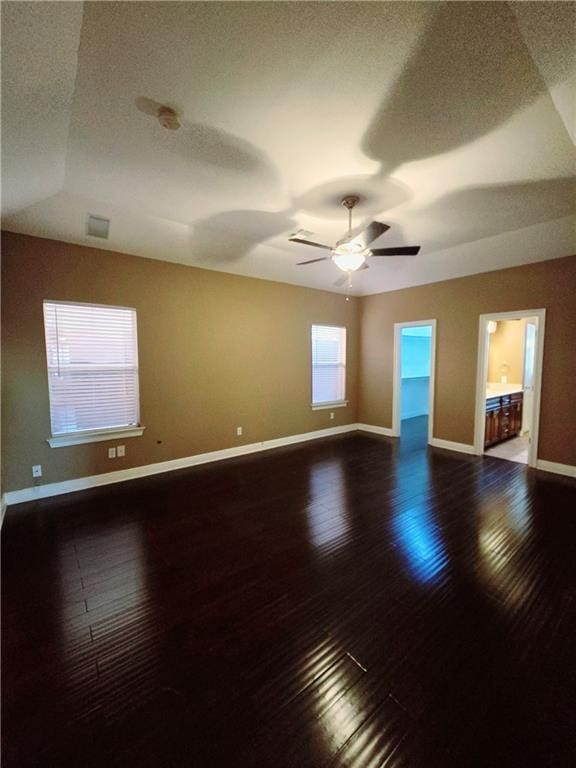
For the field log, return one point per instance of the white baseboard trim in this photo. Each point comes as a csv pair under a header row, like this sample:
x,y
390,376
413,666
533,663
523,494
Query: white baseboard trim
x,y
107,478
304,437
386,431
119,476
568,470
448,445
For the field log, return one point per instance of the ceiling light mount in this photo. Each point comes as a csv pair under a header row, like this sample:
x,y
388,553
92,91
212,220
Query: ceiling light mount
x,y
168,118
350,201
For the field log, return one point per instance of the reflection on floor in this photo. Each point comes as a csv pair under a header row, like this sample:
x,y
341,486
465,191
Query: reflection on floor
x,y
414,434
349,602
511,450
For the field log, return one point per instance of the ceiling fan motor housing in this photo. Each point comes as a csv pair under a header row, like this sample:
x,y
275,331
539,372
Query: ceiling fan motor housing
x,y
350,201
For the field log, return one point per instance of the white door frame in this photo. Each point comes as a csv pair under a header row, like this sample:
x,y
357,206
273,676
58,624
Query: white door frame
x,y
482,375
397,382
527,418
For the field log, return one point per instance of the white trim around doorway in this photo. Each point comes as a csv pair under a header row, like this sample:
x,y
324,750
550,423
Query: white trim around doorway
x,y
397,376
482,374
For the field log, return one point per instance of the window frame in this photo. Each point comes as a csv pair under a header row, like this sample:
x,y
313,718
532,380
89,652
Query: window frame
x,y
326,405
81,437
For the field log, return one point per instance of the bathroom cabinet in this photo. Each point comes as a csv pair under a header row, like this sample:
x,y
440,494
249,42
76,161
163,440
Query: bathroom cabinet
x,y
503,418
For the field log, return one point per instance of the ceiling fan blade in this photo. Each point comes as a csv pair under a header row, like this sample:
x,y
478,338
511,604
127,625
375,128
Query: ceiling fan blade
x,y
313,261
368,234
405,250
299,237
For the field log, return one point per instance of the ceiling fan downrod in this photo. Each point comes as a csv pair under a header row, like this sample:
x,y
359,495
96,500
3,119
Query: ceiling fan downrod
x,y
349,202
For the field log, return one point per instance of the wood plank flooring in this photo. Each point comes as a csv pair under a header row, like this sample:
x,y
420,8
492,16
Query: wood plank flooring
x,y
349,602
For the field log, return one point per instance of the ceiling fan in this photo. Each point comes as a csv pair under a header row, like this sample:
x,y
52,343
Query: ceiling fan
x,y
351,252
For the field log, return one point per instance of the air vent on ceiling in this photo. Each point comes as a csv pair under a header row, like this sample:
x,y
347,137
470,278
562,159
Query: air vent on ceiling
x,y
97,226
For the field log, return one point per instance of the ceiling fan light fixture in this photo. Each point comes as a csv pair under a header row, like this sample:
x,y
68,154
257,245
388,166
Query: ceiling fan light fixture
x,y
348,261
348,248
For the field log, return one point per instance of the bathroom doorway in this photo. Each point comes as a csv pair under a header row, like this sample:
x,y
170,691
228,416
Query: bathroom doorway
x,y
508,388
413,402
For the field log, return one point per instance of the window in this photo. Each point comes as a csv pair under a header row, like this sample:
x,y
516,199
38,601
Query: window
x,y
92,356
328,366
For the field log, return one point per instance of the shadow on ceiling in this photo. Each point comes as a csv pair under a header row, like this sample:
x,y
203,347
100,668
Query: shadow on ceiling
x,y
231,235
470,72
199,142
473,213
466,215
377,194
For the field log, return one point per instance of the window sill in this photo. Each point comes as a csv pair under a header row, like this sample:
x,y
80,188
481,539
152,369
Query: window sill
x,y
326,406
97,436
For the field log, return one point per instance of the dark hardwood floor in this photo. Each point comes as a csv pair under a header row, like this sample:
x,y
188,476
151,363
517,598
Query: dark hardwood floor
x,y
353,601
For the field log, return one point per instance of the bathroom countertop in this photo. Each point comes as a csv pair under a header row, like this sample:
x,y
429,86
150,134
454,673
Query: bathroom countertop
x,y
496,390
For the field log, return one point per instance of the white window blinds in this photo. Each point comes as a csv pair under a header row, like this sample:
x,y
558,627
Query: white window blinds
x,y
328,364
92,355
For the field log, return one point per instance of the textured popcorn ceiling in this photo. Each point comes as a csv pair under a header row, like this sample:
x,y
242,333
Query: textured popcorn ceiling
x,y
452,121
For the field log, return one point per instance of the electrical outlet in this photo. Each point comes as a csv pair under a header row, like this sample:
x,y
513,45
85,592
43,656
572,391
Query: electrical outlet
x,y
238,431
121,450
111,453
331,414
37,470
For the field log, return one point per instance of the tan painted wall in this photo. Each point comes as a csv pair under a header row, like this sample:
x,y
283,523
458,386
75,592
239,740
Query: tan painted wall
x,y
216,351
507,348
457,304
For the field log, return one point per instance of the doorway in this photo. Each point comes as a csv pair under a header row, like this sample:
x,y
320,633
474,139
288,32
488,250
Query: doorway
x,y
414,370
510,354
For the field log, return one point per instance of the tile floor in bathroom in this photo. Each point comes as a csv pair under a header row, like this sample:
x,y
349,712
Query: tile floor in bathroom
x,y
515,449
